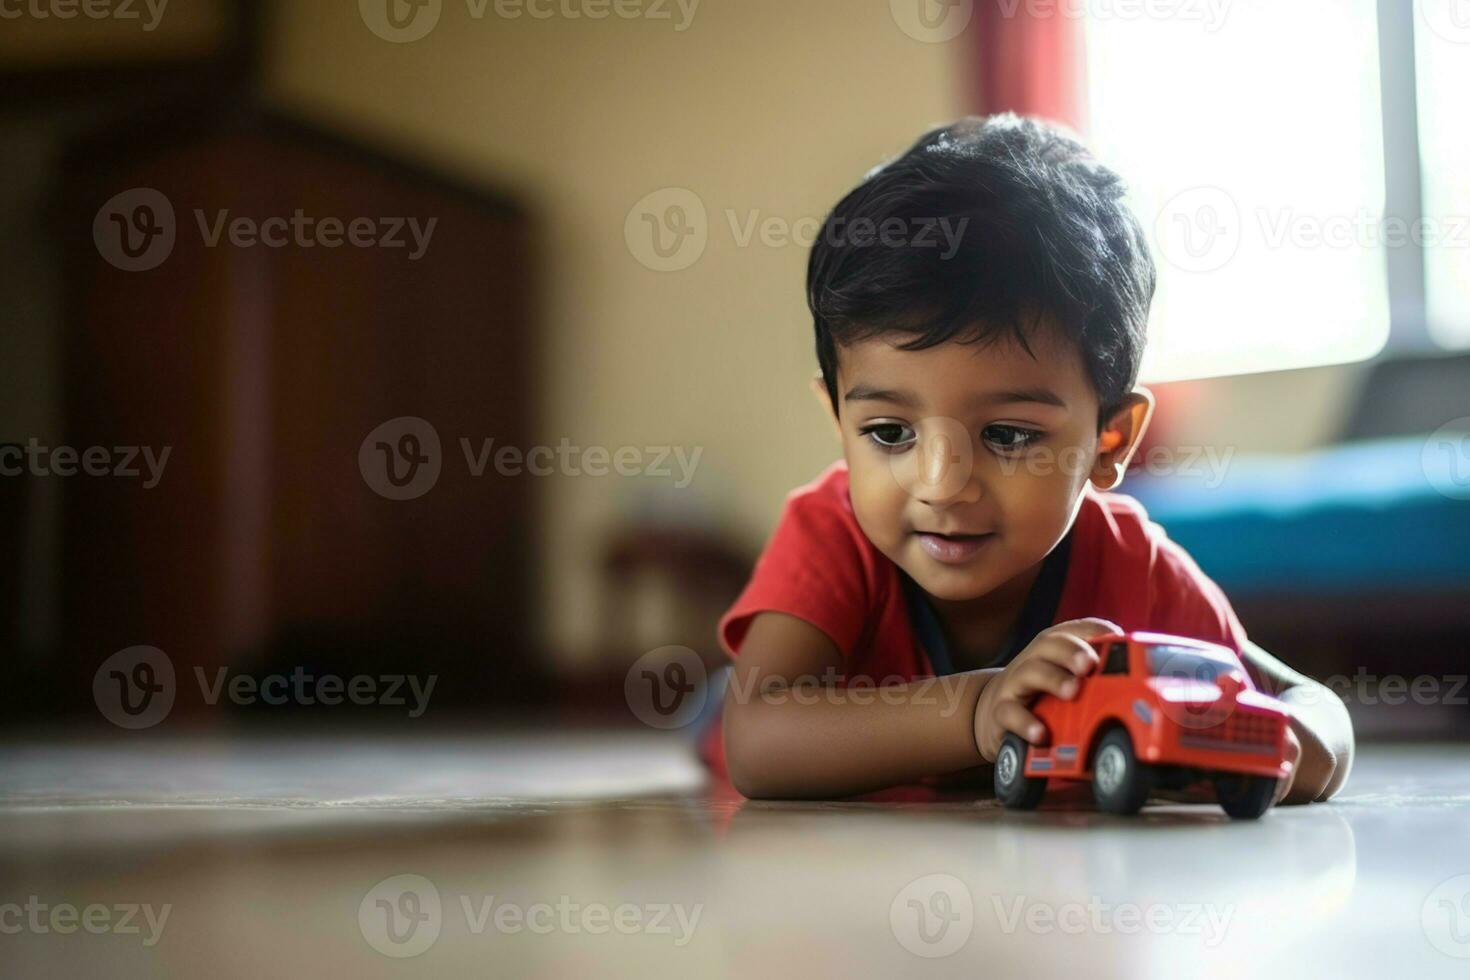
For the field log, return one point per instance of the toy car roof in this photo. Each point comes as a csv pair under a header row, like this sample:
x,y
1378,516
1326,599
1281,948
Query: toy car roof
x,y
1142,636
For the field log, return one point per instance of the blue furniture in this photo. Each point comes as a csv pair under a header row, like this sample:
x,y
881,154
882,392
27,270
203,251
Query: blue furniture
x,y
1365,517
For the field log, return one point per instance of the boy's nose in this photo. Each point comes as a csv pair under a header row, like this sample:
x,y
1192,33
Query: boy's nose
x,y
946,469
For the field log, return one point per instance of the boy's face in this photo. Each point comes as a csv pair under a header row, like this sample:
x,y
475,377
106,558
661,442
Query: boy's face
x,y
967,462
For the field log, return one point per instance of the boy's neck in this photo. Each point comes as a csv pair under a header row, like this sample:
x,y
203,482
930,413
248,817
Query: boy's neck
x,y
977,628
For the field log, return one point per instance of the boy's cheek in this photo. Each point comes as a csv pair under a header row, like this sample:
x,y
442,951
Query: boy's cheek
x,y
875,486
877,499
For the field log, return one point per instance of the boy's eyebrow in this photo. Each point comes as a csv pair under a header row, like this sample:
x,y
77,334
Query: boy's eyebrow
x,y
867,393
1043,396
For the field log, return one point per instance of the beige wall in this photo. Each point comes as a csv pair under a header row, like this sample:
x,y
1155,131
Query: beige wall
x,y
760,105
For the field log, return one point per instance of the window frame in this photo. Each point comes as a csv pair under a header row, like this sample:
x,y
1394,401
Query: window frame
x,y
1408,289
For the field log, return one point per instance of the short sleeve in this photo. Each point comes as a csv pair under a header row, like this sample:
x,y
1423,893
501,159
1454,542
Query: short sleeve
x,y
813,567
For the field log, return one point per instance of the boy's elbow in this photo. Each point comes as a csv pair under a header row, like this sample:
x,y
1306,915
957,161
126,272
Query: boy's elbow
x,y
747,774
749,783
1325,730
748,762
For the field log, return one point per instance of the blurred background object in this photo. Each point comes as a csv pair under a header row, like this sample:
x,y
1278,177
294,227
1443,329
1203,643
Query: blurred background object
x,y
599,337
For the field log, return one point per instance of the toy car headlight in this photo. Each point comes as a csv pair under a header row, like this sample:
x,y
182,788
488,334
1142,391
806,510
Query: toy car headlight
x,y
1188,691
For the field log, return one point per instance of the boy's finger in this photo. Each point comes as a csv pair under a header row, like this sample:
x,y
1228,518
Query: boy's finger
x,y
1086,628
1067,651
1013,717
1043,677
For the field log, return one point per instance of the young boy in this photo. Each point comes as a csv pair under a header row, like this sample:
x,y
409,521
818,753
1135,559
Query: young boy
x,y
980,306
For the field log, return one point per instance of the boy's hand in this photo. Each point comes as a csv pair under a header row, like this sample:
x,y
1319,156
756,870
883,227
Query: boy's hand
x,y
1050,664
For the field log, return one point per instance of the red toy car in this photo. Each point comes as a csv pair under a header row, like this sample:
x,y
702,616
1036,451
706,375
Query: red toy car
x,y
1158,712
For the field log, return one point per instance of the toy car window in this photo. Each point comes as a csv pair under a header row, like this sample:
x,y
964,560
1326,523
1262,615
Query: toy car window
x,y
1117,660
1186,663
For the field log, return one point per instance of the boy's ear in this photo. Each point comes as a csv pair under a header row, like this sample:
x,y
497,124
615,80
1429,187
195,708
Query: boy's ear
x,y
819,388
1120,437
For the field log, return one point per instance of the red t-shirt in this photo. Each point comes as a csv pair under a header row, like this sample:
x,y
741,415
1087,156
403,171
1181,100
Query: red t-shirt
x,y
820,567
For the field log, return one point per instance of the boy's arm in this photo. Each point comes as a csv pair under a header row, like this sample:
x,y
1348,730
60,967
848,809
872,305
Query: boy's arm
x,y
789,736
1320,722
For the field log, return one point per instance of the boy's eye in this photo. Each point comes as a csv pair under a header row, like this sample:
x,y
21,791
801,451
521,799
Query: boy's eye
x,y
1009,438
890,435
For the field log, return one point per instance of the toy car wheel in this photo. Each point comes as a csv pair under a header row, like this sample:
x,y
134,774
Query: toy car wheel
x,y
1244,797
1013,787
1120,783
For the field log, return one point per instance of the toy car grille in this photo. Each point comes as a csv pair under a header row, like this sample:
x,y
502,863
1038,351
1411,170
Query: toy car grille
x,y
1241,731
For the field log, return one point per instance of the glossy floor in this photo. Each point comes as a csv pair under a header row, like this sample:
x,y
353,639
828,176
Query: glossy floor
x,y
602,855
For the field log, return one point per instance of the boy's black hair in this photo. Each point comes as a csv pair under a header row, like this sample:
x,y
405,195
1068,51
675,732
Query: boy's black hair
x,y
1036,228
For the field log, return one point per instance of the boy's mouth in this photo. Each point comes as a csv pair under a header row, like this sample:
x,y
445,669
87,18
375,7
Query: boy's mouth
x,y
952,549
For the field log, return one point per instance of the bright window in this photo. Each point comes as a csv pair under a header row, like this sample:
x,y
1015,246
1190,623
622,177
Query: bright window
x,y
1251,135
1442,43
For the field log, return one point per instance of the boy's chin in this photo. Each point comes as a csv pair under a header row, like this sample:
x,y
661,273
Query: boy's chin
x,y
953,584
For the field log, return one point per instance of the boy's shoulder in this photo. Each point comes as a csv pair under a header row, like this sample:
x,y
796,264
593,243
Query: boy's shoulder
x,y
1115,535
818,566
1128,569
1117,517
819,513
826,493
1119,522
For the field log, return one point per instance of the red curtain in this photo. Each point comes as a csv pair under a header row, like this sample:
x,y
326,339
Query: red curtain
x,y
1027,58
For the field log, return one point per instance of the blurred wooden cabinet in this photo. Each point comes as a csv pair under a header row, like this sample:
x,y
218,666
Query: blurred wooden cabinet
x,y
262,368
